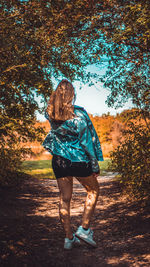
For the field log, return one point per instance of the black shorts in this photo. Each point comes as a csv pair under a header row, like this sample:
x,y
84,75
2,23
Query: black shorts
x,y
63,167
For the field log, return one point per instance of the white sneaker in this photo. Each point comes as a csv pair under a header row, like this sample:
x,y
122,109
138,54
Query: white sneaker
x,y
86,236
70,243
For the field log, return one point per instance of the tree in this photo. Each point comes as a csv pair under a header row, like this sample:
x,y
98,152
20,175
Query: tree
x,y
131,160
39,40
127,47
45,39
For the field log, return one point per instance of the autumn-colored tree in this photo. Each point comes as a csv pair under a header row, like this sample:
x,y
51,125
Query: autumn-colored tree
x,y
45,39
127,46
39,40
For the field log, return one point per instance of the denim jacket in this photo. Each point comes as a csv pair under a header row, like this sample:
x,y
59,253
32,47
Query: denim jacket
x,y
74,139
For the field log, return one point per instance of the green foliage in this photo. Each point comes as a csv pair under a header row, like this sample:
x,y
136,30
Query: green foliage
x,y
45,39
126,27
131,160
10,163
39,40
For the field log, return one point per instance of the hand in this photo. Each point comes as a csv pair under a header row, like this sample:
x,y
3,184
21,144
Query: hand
x,y
96,174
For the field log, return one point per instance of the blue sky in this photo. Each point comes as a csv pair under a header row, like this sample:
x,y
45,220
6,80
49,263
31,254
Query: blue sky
x,y
92,98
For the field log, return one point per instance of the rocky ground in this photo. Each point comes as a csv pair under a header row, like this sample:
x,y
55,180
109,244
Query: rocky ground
x,y
31,233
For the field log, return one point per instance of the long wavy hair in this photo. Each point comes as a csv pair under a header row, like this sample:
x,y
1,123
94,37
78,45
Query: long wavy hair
x,y
61,104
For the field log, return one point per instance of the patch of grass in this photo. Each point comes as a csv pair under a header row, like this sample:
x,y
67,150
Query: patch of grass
x,y
42,173
105,166
38,168
43,168
36,164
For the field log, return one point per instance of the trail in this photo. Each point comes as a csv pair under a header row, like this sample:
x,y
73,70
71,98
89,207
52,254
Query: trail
x,y
31,233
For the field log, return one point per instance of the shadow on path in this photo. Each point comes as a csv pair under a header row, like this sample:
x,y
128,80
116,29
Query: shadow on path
x,y
31,234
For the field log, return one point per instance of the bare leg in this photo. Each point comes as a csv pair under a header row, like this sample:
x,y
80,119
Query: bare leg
x,y
91,185
65,186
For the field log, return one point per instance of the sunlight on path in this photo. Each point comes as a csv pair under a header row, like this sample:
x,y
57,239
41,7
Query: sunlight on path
x,y
31,230
49,207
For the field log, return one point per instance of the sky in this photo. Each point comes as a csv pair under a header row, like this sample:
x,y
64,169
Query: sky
x,y
92,98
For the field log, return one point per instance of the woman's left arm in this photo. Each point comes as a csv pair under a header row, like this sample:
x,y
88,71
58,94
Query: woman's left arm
x,y
94,136
87,144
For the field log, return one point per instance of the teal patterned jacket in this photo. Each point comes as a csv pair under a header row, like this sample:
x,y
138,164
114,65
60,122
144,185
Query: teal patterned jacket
x,y
75,139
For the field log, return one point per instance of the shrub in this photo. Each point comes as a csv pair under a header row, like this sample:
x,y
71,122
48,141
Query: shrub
x,y
10,163
131,160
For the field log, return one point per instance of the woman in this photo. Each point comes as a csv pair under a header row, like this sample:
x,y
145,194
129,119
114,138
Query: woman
x,y
76,151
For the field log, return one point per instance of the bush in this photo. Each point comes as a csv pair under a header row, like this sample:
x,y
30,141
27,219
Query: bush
x,y
131,160
10,164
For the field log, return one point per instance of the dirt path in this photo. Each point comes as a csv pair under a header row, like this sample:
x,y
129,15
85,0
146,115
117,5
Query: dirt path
x,y
31,234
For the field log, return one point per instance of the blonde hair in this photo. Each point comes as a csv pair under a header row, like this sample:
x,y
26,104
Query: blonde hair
x,y
60,106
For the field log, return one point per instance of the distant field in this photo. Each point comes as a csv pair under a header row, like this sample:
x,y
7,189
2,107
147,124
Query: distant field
x,y
43,168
